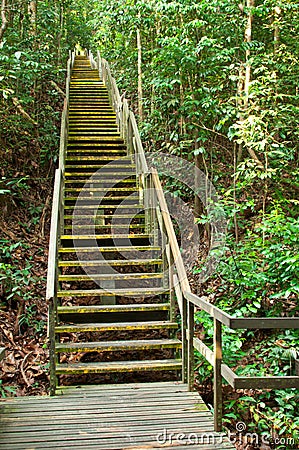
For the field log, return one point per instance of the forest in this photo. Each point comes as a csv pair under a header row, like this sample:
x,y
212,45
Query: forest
x,y
214,82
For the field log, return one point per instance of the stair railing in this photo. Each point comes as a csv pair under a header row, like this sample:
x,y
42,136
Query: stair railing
x,y
57,226
157,212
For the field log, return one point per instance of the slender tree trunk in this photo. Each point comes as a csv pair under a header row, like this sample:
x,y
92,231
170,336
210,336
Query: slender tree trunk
x,y
248,39
247,78
277,14
32,11
59,35
140,93
3,18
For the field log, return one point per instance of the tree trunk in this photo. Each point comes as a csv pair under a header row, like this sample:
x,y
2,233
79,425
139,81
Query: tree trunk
x,y
140,93
3,18
59,35
32,11
248,39
277,14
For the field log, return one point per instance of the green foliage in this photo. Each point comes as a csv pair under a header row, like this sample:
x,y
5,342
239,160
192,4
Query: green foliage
x,y
6,391
262,270
29,320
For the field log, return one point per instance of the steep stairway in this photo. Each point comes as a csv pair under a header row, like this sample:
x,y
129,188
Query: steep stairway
x,y
113,313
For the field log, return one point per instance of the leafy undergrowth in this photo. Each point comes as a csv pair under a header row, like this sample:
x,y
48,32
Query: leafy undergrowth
x,y
258,277
23,311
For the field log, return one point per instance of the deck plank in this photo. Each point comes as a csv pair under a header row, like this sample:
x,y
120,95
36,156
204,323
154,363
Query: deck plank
x,y
128,416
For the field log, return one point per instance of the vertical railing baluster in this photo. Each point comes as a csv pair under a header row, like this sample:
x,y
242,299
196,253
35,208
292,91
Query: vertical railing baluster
x,y
217,375
184,341
190,335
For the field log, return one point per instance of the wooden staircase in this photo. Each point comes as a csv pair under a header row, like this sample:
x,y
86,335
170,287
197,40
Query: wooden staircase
x,y
112,313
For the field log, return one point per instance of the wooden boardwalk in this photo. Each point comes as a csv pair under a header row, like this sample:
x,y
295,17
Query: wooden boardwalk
x,y
134,416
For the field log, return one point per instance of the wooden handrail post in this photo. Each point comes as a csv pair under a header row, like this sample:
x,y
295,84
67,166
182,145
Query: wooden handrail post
x,y
218,407
184,326
52,353
171,283
190,336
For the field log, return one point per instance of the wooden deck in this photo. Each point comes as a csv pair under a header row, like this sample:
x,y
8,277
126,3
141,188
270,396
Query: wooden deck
x,y
134,416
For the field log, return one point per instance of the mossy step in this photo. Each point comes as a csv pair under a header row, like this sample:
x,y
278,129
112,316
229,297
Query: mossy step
x,y
115,206
91,113
90,108
91,122
96,199
105,146
82,237
113,276
96,158
102,181
103,216
95,138
103,189
99,166
112,346
95,153
87,126
117,326
95,95
122,366
100,132
111,262
98,228
112,308
138,292
93,82
87,174
112,249
83,130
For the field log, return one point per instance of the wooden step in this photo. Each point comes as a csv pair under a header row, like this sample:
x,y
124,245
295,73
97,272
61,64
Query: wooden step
x,y
111,249
103,181
117,326
105,207
112,346
111,262
121,366
104,170
104,216
83,237
103,189
113,276
112,308
87,151
138,292
106,167
96,198
103,226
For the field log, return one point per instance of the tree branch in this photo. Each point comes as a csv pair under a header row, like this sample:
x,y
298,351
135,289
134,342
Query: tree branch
x,y
22,111
57,88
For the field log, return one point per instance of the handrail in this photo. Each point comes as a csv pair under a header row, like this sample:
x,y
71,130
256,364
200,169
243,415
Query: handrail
x,y
178,260
54,236
57,224
157,212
